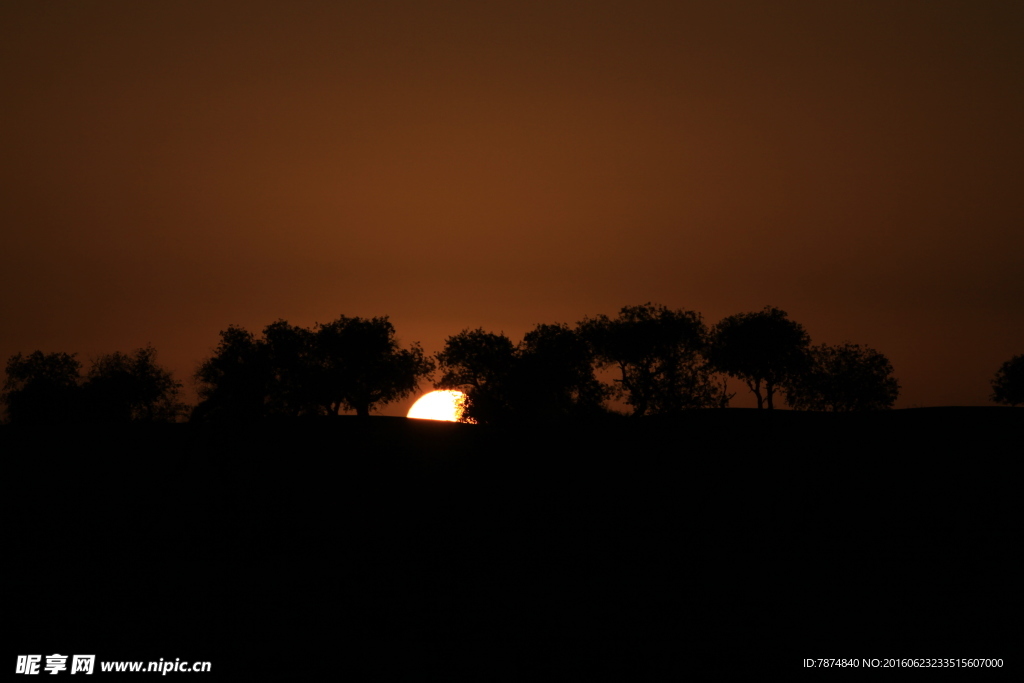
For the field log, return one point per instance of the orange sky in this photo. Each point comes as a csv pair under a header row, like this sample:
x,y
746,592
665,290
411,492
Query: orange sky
x,y
169,168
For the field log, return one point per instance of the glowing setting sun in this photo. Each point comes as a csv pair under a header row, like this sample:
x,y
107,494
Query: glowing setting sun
x,y
438,405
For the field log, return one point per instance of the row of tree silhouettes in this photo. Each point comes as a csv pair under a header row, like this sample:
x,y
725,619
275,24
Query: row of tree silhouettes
x,y
119,387
661,361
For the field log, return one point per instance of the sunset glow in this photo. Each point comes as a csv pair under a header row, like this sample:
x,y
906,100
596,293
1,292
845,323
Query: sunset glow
x,y
445,405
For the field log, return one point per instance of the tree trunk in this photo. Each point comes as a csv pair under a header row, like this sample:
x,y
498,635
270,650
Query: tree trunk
x,y
755,386
363,410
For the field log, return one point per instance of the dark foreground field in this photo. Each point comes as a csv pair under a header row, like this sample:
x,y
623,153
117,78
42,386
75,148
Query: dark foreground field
x,y
365,549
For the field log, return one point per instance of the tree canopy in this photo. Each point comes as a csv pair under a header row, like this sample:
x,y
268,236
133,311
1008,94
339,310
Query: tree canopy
x,y
659,354
1008,384
844,378
764,349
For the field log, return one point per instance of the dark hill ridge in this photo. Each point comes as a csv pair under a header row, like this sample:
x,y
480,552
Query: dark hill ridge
x,y
506,553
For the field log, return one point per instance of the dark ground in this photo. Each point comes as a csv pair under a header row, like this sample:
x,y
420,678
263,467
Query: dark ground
x,y
720,541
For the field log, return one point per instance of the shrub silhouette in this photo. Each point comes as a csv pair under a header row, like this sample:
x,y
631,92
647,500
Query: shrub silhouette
x,y
42,388
124,387
844,378
1008,384
120,387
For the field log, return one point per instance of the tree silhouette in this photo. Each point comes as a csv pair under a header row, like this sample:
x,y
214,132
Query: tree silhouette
x,y
124,387
764,349
42,388
290,355
659,355
480,364
1008,384
844,378
361,366
547,376
235,382
554,370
